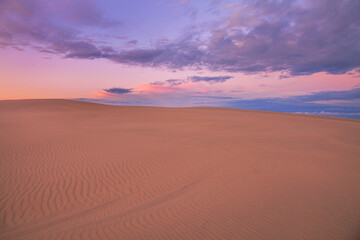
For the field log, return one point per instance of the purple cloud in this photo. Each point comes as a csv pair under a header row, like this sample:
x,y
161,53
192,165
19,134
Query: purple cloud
x,y
176,82
48,26
298,37
132,42
210,80
353,94
170,82
301,38
118,90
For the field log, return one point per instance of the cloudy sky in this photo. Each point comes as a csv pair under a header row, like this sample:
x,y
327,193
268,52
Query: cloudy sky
x,y
300,56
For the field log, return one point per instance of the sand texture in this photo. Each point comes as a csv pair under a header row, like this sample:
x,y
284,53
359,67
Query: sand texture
x,y
77,170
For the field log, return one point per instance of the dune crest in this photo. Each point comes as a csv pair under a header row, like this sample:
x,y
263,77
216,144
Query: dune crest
x,y
77,170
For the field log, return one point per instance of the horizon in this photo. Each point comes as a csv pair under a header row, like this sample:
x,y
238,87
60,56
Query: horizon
x,y
283,56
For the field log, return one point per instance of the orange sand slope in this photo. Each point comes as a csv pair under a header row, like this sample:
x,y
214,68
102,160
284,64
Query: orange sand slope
x,y
76,170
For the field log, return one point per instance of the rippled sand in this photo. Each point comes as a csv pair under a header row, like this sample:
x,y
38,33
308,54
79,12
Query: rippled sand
x,y
76,170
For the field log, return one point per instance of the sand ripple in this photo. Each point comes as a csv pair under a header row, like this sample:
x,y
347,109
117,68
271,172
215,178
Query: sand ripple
x,y
75,170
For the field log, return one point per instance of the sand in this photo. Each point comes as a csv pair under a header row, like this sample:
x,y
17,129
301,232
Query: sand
x,y
77,170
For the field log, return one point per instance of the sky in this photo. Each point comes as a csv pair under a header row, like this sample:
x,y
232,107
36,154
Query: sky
x,y
298,56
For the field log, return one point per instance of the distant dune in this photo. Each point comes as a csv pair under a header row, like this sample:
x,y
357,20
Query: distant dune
x,y
77,170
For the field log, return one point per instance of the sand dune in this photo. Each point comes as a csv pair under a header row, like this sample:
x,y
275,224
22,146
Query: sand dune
x,y
76,170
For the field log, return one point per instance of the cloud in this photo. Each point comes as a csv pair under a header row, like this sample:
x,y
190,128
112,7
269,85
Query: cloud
x,y
118,90
327,103
352,94
297,37
170,82
175,82
210,80
52,27
132,42
121,37
170,55
355,102
194,79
